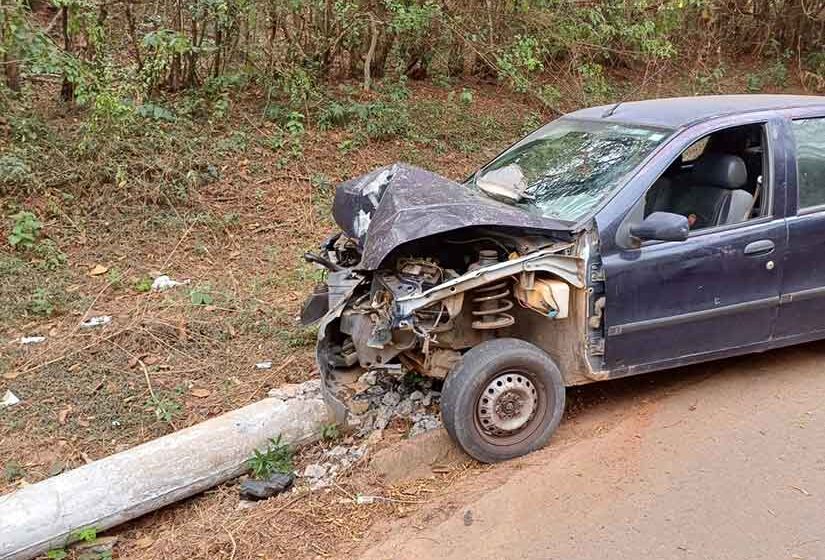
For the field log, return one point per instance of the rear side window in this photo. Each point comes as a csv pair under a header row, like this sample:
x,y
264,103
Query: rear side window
x,y
810,161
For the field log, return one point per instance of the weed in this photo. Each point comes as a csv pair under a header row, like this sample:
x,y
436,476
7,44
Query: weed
x,y
114,277
86,534
466,96
276,458
50,256
25,229
201,296
143,285
330,432
14,171
40,302
57,554
13,471
165,407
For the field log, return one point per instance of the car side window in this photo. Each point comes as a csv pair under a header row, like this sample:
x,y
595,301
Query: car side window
x,y
718,180
810,161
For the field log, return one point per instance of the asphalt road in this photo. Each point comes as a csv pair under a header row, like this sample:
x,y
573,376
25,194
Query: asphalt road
x,y
718,461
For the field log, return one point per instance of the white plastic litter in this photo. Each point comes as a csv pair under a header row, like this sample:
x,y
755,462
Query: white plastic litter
x,y
96,321
264,365
163,282
32,339
9,399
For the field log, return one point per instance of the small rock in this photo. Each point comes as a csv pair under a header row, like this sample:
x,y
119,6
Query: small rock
x,y
416,396
404,408
368,379
424,423
359,406
338,451
376,390
391,399
9,399
294,390
382,418
315,471
97,547
163,282
262,489
264,365
32,339
96,322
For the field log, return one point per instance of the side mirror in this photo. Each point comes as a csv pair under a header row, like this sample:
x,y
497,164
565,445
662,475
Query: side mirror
x,y
662,226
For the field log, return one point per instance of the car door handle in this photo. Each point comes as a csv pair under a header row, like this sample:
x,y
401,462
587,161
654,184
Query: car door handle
x,y
761,247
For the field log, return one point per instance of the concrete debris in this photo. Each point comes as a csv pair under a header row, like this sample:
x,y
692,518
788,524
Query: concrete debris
x,y
423,422
264,365
307,389
253,490
9,399
334,462
384,397
32,339
96,322
163,282
314,470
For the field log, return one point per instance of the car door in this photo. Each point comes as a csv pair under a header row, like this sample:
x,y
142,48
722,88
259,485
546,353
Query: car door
x,y
802,302
717,292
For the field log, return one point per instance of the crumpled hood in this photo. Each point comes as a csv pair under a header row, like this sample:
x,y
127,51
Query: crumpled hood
x,y
400,203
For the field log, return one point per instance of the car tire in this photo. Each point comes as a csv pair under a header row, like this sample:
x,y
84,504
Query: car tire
x,y
504,399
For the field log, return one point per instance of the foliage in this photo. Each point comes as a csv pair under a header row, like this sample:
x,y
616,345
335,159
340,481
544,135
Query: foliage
x,y
201,296
330,432
25,229
41,303
143,285
85,534
165,406
13,471
276,458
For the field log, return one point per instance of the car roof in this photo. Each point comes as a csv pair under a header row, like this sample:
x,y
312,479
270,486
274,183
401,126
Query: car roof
x,y
676,112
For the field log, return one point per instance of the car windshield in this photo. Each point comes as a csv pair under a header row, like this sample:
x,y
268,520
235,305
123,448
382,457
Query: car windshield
x,y
564,169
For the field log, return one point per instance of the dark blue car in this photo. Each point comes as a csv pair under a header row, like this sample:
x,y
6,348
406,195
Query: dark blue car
x,y
615,240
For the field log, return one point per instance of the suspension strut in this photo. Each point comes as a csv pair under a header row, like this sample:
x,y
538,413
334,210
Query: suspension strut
x,y
492,301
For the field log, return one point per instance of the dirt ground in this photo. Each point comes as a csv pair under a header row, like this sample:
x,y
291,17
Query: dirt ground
x,y
722,460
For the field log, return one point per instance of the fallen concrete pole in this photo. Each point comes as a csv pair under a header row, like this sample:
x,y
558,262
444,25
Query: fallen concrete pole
x,y
155,474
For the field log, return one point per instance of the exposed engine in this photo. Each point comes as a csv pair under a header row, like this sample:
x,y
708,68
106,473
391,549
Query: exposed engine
x,y
417,314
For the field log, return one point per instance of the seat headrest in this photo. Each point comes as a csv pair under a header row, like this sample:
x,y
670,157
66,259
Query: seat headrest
x,y
724,171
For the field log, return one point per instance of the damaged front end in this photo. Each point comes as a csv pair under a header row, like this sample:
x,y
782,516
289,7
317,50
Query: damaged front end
x,y
425,268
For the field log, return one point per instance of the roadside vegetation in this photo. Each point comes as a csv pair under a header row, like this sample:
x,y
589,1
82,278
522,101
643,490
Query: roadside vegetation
x,y
203,139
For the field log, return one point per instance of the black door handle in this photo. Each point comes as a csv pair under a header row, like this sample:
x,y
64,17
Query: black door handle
x,y
761,247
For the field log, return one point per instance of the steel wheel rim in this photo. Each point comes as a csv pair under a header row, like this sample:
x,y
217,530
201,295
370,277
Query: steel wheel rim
x,y
510,407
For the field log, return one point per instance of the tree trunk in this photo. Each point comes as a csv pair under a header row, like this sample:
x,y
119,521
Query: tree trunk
x,y
370,52
67,87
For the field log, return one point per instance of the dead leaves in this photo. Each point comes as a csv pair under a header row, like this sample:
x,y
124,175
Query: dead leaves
x,y
98,270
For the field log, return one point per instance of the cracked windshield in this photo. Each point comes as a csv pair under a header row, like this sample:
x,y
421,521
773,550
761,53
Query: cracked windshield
x,y
566,168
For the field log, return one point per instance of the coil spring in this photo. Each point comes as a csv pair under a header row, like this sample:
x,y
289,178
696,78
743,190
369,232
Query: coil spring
x,y
492,302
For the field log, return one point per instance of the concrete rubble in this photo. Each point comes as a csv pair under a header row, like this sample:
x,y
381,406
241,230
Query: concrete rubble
x,y
382,398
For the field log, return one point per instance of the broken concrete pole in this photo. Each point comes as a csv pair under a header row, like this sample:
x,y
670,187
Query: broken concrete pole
x,y
127,485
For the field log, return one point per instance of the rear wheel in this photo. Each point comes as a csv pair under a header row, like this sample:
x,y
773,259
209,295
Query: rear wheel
x,y
504,399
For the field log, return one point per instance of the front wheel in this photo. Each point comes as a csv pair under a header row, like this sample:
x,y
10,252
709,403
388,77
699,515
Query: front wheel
x,y
503,400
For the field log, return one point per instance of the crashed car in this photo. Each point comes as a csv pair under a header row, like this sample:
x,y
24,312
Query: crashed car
x,y
613,241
